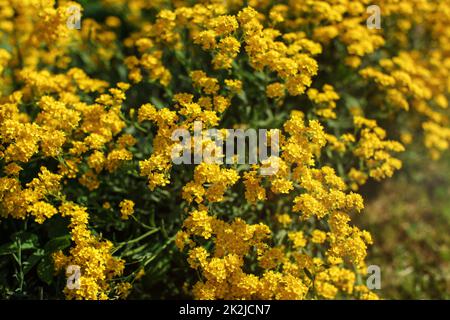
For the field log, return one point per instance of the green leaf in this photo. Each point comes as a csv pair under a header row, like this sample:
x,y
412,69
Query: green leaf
x,y
56,244
32,260
22,240
57,227
27,240
8,248
351,101
157,102
45,270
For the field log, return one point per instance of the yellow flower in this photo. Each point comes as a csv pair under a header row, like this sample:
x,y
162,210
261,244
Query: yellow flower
x,y
126,208
318,236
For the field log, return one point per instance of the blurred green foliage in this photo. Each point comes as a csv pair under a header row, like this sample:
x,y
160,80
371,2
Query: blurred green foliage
x,y
409,218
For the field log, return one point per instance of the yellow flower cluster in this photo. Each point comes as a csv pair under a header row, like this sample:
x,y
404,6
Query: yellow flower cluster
x,y
339,93
409,81
126,208
374,151
45,117
217,180
324,199
92,255
325,100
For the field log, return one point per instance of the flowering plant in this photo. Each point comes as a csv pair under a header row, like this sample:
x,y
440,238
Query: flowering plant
x,y
86,123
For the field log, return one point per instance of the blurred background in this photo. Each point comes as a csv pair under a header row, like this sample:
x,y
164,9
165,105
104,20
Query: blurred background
x,y
409,218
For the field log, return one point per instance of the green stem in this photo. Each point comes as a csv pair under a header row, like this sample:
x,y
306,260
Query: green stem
x,y
121,244
159,251
142,224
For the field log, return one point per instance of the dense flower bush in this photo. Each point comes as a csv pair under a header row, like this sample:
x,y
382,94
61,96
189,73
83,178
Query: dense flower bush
x,y
86,119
